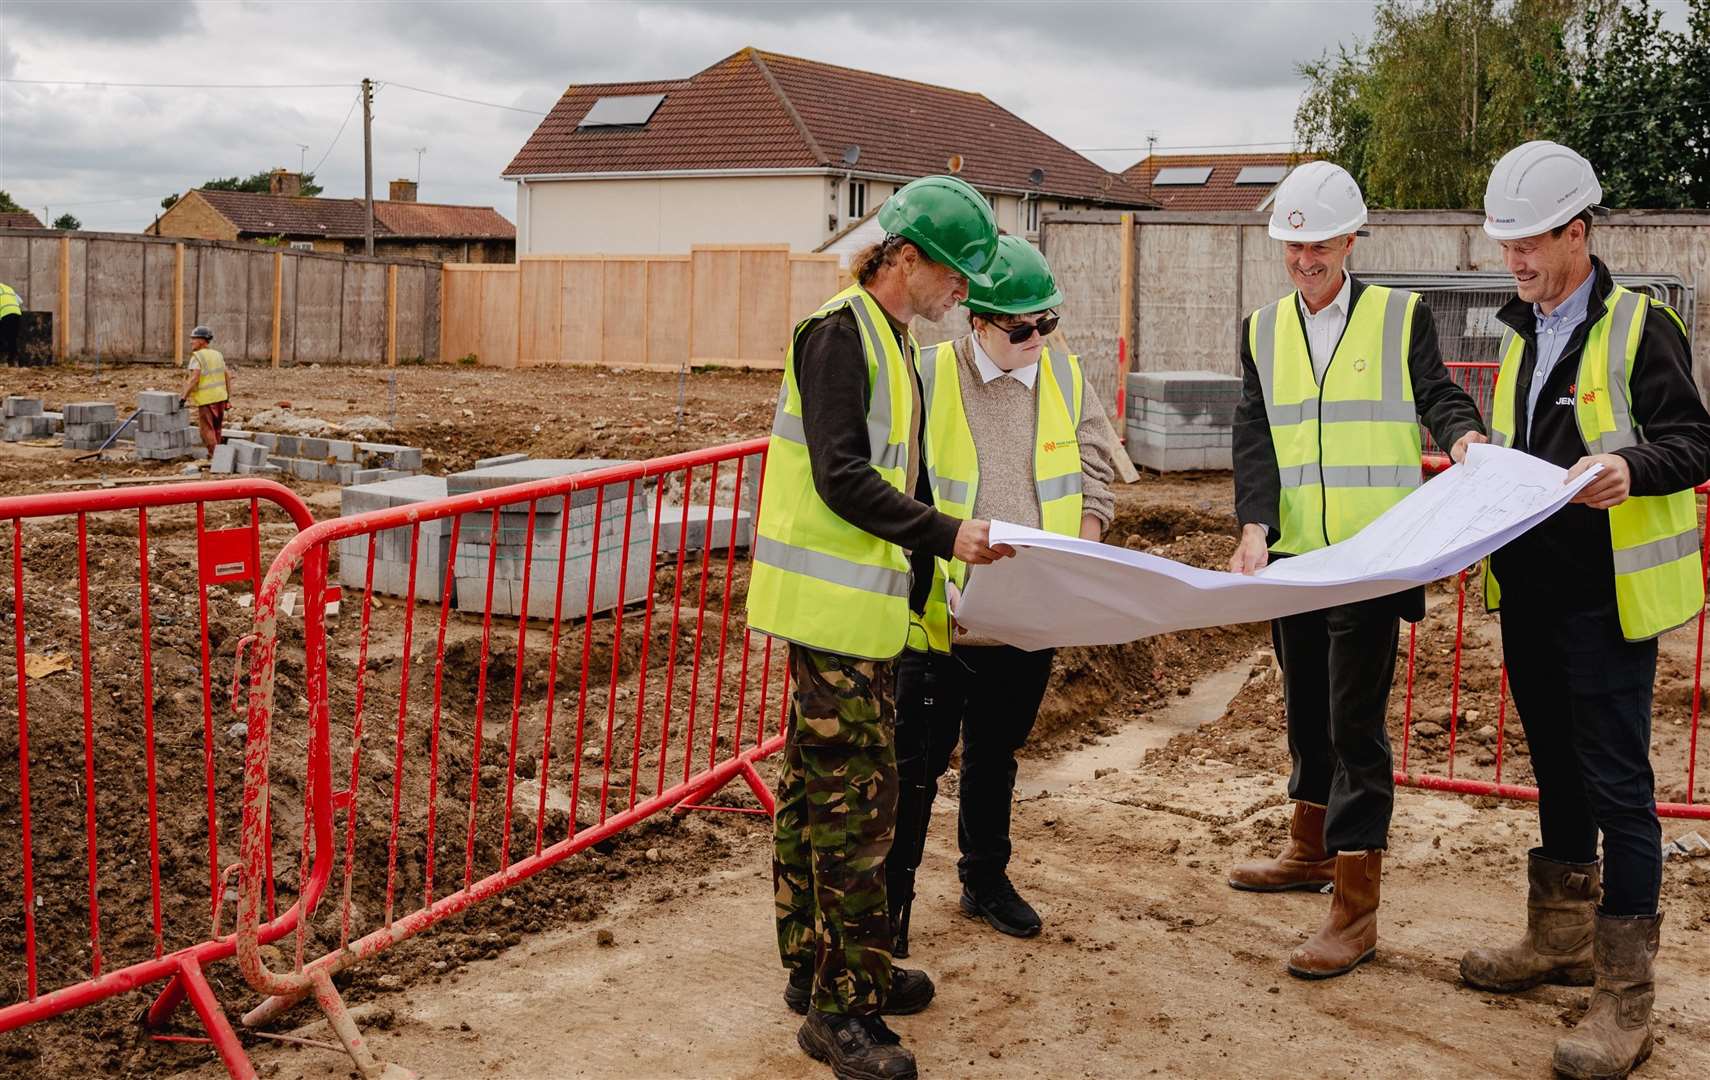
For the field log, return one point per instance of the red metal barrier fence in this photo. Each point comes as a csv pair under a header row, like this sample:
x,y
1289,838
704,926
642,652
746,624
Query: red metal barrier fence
x,y
100,916
480,776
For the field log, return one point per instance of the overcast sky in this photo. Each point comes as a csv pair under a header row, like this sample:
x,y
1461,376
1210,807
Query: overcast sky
x,y
1095,75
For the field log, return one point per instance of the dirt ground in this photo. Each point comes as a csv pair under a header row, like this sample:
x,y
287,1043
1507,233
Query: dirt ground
x,y
1153,765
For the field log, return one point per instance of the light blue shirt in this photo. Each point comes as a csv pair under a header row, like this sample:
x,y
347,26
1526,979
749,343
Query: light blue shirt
x,y
1554,330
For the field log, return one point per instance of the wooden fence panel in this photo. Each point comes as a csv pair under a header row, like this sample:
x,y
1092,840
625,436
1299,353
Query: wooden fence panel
x,y
157,329
319,310
412,298
363,333
259,307
76,331
814,279
542,283
670,302
624,318
582,311
763,308
114,313
716,313
498,325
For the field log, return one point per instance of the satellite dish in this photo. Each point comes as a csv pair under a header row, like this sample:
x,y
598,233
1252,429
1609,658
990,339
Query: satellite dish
x,y
852,155
1036,177
954,165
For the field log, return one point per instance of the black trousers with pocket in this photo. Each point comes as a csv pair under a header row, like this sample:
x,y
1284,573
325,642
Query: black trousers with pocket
x,y
1337,667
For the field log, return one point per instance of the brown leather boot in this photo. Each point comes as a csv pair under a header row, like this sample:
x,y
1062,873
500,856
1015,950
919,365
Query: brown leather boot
x,y
1561,909
1303,864
1348,937
1614,1035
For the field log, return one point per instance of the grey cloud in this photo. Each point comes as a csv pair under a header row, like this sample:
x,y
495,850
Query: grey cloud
x,y
110,20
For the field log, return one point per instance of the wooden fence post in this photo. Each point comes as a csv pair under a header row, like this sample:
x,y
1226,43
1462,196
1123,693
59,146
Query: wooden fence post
x,y
392,315
278,299
177,302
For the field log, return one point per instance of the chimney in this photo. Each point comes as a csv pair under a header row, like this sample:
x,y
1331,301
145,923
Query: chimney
x,y
403,191
282,182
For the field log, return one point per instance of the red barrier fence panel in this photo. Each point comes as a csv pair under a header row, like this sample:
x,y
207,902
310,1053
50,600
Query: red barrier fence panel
x,y
1477,378
517,674
1473,633
120,601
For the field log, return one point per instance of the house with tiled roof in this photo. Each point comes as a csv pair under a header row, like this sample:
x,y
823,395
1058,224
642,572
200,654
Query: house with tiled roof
x,y
766,148
20,219
1210,181
403,227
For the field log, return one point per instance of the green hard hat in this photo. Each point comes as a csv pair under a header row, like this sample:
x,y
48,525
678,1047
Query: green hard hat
x,y
1021,282
948,220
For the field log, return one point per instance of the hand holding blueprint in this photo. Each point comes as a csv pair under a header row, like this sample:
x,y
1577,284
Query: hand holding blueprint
x,y
1059,590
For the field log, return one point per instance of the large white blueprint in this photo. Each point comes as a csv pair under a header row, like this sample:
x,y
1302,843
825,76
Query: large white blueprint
x,y
1060,590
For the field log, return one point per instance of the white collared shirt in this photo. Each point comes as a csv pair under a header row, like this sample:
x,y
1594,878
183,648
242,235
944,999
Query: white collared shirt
x,y
990,371
1324,327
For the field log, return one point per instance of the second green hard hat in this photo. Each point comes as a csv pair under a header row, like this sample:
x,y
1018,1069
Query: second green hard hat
x,y
948,220
1021,282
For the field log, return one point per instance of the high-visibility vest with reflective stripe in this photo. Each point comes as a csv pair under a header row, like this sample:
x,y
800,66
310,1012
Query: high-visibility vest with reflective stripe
x,y
10,304
953,465
1658,572
1347,450
818,580
211,384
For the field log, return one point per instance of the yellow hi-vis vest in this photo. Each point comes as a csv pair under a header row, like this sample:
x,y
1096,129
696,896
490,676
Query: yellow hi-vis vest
x,y
817,580
1348,450
953,465
1658,572
211,385
10,304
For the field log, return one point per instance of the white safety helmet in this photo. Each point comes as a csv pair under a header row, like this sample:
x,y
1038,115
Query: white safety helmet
x,y
1536,187
1317,201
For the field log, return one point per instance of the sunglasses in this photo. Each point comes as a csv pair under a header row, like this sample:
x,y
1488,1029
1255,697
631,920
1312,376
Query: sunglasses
x,y
1019,334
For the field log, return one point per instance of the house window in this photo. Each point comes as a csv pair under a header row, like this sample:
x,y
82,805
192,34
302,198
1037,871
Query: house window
x,y
857,199
302,245
1032,215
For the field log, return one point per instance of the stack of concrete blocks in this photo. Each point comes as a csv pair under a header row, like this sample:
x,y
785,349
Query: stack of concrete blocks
x,y
335,461
512,552
392,546
25,419
244,456
89,424
164,431
673,529
1181,420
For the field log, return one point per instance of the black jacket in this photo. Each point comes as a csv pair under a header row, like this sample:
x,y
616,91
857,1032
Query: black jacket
x,y
831,373
1566,561
1444,408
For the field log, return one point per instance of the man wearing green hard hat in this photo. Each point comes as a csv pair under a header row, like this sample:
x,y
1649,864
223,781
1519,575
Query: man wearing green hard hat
x,y
844,547
1013,432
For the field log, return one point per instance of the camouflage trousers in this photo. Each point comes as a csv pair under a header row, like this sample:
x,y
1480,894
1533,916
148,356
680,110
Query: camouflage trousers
x,y
836,815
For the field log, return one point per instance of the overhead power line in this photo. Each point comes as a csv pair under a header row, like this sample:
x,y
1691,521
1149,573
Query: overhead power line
x,y
177,86
347,114
466,101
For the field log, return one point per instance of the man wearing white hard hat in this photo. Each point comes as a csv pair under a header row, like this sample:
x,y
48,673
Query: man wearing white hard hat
x,y
1337,378
1592,374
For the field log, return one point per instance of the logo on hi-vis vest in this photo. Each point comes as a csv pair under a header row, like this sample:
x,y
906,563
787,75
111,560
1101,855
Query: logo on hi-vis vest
x,y
1572,391
1589,397
1065,444
1360,364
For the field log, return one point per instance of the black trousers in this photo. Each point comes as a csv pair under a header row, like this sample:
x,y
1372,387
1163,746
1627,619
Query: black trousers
x,y
10,327
1337,667
1584,696
988,696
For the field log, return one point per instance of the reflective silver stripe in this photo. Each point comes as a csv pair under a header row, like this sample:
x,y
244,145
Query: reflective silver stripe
x,y
955,491
1656,553
1348,412
1622,435
1058,487
1497,435
882,451
1064,374
786,425
1284,415
1299,475
1395,348
1371,476
829,568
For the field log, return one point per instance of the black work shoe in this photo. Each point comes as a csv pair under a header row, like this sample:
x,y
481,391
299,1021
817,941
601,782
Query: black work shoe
x,y
999,904
911,991
856,1047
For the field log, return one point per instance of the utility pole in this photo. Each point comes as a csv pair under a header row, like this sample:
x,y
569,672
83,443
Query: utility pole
x,y
368,164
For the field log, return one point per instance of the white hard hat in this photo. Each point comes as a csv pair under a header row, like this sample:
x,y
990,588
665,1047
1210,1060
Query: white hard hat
x,y
1536,187
1317,201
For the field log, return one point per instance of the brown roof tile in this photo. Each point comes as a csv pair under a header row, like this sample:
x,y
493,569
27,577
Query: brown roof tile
x,y
20,219
300,216
1219,192
764,110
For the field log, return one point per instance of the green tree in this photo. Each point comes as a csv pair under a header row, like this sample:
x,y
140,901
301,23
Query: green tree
x,y
7,205
1420,112
67,221
257,183
1632,98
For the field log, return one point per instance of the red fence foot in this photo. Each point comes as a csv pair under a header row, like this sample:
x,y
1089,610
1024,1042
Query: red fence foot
x,y
201,995
755,784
